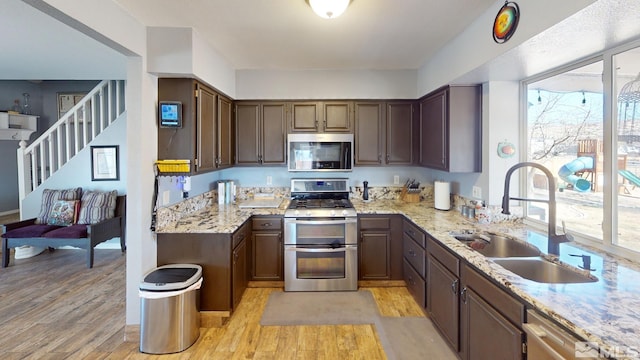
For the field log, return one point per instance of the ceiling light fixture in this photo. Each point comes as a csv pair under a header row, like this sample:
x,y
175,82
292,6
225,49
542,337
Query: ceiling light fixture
x,y
329,9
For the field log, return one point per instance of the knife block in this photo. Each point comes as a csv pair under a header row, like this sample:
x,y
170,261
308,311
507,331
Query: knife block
x,y
410,197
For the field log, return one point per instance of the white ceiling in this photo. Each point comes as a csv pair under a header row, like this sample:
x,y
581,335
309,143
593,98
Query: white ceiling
x,y
36,46
287,34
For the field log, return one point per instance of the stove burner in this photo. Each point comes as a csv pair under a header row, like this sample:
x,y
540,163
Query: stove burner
x,y
320,204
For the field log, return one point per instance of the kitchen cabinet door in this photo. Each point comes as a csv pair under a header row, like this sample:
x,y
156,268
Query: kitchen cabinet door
x,y
305,116
239,272
451,129
267,259
248,133
273,134
399,133
225,133
261,133
487,334
337,117
267,256
442,300
375,252
369,133
433,131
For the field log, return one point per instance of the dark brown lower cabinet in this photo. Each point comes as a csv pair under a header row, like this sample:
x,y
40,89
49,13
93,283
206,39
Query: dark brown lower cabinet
x,y
488,334
443,301
267,249
224,277
380,247
239,272
491,320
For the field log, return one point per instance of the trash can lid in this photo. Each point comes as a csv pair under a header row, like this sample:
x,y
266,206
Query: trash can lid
x,y
171,277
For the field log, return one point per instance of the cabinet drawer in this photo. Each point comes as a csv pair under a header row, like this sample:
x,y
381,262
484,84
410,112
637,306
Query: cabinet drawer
x,y
414,232
504,303
415,284
414,254
450,261
369,223
239,235
269,223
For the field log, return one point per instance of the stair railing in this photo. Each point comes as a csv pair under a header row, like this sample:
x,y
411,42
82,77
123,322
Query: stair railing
x,y
70,134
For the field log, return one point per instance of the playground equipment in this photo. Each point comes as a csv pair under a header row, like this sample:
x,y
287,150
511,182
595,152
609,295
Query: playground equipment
x,y
568,170
588,166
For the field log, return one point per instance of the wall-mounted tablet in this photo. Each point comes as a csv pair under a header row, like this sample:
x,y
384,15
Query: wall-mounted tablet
x,y
170,113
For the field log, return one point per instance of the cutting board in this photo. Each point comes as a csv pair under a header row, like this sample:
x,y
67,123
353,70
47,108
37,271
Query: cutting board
x,y
260,203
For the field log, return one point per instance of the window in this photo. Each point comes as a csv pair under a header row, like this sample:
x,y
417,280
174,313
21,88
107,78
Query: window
x,y
595,161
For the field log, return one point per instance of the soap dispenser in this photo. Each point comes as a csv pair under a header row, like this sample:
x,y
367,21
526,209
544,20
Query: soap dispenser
x,y
365,191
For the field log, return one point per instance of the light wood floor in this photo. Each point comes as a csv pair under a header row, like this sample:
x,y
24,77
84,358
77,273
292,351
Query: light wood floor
x,y
53,307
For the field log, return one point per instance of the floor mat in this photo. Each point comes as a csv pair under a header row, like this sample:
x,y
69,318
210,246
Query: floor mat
x,y
320,308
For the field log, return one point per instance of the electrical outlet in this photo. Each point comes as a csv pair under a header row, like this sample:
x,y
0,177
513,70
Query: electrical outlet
x,y
396,180
269,180
166,197
476,192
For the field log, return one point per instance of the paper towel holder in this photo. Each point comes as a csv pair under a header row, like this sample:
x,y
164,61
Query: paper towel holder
x,y
442,195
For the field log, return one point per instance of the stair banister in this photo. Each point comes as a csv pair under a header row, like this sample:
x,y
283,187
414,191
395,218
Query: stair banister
x,y
59,144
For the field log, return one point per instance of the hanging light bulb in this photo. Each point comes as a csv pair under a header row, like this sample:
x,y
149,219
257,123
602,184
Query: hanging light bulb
x,y
329,9
539,98
584,100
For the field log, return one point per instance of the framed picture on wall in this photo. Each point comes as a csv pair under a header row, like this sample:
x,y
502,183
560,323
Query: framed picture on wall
x,y
68,100
104,163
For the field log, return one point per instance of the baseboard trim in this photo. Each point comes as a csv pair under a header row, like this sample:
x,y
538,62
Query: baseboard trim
x,y
9,212
381,283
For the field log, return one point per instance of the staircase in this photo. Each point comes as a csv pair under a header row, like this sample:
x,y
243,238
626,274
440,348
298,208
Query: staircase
x,y
70,134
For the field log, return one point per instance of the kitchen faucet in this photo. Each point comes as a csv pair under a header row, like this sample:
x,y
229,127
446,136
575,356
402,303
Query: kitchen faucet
x,y
553,239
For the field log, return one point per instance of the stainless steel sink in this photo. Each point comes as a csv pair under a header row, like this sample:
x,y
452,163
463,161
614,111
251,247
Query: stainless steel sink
x,y
498,246
540,270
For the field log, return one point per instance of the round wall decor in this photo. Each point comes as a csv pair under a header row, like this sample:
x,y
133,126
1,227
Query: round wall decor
x,y
506,22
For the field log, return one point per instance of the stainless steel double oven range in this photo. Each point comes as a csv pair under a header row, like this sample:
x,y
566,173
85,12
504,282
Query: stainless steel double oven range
x,y
320,247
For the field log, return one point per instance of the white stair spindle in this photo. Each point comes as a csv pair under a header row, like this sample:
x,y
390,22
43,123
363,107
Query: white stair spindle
x,y
51,160
109,103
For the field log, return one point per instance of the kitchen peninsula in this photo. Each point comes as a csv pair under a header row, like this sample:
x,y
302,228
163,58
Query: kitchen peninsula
x,y
601,312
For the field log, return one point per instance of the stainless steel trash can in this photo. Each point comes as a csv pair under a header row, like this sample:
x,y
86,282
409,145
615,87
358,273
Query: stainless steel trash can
x,y
169,314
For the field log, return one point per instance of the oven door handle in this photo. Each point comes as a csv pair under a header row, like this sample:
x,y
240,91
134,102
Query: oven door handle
x,y
321,222
316,250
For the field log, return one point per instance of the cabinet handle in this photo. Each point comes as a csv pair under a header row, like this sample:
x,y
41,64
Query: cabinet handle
x,y
411,280
388,157
266,224
463,295
454,286
379,158
412,253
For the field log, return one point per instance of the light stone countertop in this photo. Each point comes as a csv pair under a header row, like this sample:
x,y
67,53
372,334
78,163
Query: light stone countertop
x,y
606,312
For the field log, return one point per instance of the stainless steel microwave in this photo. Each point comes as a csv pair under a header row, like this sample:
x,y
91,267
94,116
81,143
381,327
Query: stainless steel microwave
x,y
320,152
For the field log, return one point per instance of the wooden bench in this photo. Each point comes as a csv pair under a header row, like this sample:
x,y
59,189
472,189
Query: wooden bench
x,y
80,235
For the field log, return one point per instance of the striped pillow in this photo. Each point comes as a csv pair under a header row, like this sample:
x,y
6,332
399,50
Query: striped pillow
x,y
49,197
97,206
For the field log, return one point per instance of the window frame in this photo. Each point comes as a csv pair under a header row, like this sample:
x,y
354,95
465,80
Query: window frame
x,y
610,128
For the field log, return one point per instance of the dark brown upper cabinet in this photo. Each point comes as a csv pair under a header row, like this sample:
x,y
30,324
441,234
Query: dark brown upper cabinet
x,y
206,135
261,135
451,129
225,133
327,116
384,133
